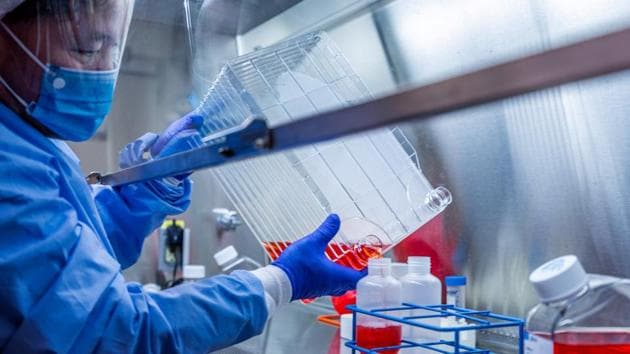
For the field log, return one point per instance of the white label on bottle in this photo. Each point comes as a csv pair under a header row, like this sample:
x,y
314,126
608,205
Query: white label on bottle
x,y
537,345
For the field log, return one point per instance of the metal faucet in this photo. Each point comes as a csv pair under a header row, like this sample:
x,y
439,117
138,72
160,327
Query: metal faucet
x,y
227,220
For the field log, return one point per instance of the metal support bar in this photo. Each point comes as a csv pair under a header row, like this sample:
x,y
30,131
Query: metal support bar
x,y
590,58
239,142
586,59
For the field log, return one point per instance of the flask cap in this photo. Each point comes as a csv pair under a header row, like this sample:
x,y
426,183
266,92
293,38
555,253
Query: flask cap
x,y
559,278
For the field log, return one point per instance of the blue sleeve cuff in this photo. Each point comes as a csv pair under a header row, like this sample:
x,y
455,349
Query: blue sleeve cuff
x,y
159,196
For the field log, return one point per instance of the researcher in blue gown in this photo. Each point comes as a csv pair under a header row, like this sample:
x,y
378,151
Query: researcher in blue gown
x,y
64,243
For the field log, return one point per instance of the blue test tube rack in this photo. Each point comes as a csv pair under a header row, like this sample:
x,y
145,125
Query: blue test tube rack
x,y
477,320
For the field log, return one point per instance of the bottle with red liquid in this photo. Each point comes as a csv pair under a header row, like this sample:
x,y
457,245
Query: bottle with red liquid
x,y
379,289
579,313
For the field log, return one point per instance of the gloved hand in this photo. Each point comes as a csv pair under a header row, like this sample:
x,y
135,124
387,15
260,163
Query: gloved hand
x,y
180,136
175,133
310,272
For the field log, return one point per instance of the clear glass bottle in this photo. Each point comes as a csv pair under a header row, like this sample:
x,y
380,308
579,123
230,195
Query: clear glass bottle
x,y
420,287
579,312
379,289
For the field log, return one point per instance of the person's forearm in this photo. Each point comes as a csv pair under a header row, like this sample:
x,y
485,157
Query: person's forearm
x,y
131,213
277,286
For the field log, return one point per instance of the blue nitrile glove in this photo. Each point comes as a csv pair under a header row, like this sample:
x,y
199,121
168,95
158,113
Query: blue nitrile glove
x,y
134,153
311,273
182,141
180,136
169,189
189,122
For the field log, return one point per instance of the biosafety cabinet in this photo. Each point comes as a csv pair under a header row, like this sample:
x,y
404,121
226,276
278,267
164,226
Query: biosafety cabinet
x,y
530,173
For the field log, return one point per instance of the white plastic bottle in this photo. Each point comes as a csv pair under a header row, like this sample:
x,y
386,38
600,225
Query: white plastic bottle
x,y
579,312
379,289
345,333
193,272
420,287
228,259
399,270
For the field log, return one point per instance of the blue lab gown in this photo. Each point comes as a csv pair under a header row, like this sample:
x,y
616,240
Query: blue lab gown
x,y
62,248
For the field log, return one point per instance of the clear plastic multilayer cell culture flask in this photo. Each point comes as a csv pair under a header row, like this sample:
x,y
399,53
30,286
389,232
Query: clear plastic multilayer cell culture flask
x,y
579,312
373,181
379,289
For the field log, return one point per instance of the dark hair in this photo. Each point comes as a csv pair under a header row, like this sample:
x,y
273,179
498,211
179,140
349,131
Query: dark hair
x,y
29,9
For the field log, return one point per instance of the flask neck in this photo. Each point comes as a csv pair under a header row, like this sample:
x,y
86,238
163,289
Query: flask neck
x,y
564,301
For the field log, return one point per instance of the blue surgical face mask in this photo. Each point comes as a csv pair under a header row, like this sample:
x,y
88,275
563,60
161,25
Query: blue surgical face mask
x,y
72,103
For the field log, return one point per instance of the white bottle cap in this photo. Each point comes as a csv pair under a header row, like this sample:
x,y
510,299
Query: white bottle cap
x,y
225,256
345,330
194,271
558,279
